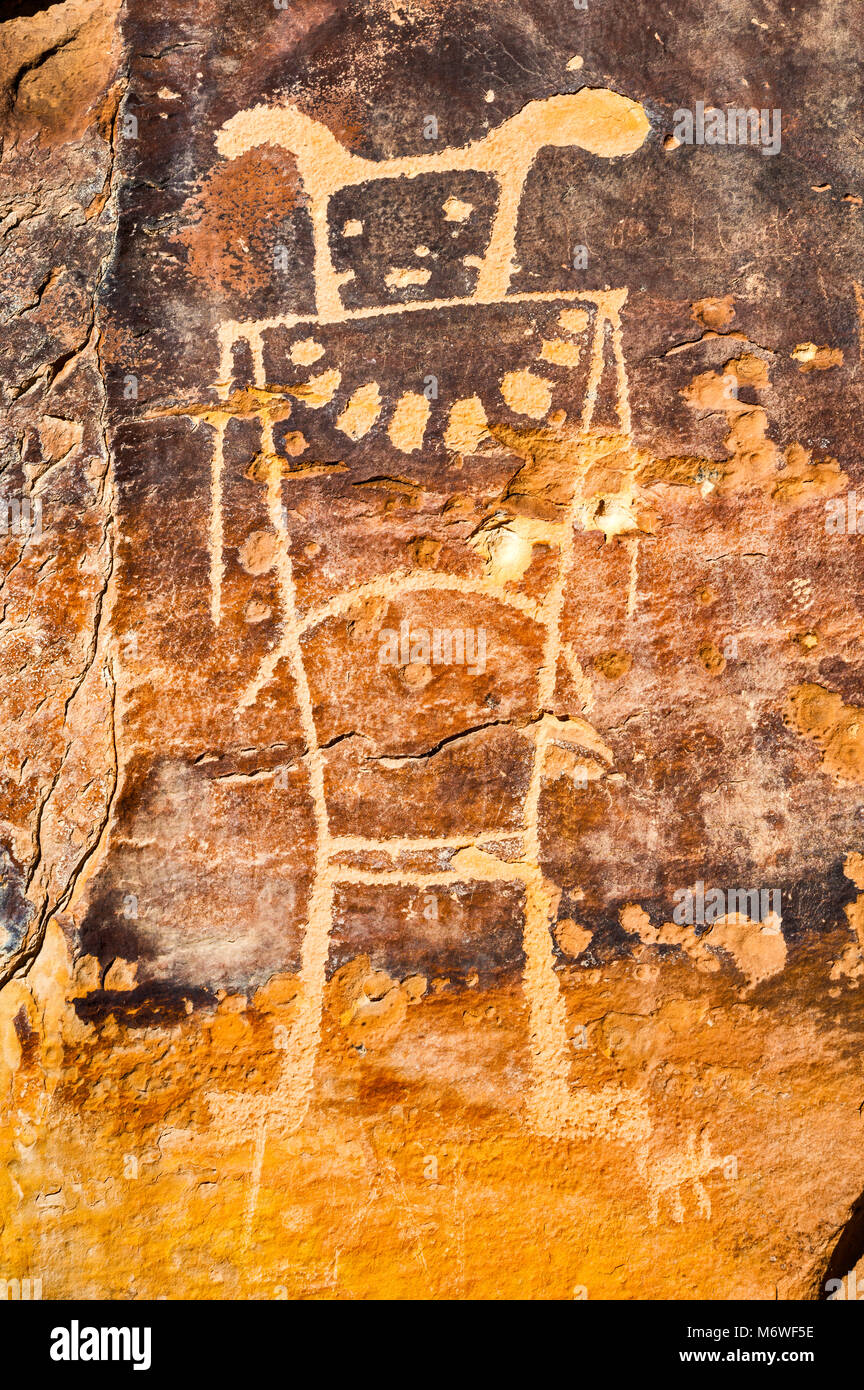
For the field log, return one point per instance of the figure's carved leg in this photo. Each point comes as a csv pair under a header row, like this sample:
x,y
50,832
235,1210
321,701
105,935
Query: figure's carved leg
x,y
298,1072
305,1032
702,1198
549,1100
255,1180
677,1205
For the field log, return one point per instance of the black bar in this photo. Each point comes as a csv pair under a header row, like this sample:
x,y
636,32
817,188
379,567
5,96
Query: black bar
x,y
221,1339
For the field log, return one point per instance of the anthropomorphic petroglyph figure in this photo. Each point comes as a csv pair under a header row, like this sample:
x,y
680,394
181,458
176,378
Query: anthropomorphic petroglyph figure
x,y
606,125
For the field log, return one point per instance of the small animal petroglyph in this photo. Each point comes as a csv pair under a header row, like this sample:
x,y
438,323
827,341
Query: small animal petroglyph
x,y
667,1177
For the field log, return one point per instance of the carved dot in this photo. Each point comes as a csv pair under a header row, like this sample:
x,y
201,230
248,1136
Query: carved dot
x,y
258,552
416,675
712,658
613,665
256,611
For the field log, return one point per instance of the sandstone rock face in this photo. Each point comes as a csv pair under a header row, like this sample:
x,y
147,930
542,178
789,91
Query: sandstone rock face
x,y
431,839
